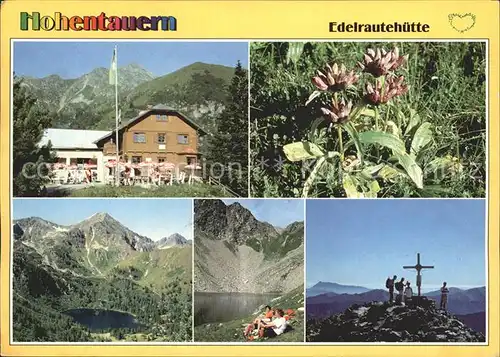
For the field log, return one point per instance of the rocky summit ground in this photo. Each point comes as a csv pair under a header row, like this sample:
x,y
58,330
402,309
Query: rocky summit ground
x,y
385,322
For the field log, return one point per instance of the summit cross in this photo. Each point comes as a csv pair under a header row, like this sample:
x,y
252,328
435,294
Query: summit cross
x,y
418,267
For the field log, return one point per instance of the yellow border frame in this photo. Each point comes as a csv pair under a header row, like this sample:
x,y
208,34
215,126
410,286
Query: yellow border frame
x,y
260,20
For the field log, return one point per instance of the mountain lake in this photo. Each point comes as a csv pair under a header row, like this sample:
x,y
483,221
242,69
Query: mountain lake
x,y
100,319
222,307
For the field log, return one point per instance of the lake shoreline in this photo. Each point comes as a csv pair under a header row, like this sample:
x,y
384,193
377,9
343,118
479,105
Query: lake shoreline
x,y
221,307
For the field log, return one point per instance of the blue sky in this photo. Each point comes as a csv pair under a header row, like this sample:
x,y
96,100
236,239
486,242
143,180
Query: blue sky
x,y
154,218
362,242
73,59
278,212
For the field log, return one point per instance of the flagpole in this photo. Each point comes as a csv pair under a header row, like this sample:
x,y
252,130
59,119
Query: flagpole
x,y
116,120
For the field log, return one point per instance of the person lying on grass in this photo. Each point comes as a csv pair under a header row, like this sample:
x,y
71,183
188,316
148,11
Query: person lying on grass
x,y
268,315
275,327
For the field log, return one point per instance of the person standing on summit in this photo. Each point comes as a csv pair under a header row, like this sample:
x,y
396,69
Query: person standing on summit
x,y
389,284
400,285
444,297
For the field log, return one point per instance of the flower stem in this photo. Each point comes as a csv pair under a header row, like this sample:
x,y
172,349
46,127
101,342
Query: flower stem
x,y
312,176
376,128
341,143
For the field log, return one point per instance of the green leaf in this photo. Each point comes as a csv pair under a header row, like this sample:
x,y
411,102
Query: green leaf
x,y
332,154
412,169
370,171
414,121
388,140
422,137
367,112
310,180
436,191
444,166
374,189
394,129
389,173
314,127
350,187
381,80
300,151
294,52
313,95
353,133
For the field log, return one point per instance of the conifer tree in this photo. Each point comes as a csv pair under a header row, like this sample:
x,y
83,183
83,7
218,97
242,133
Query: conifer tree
x,y
228,146
29,123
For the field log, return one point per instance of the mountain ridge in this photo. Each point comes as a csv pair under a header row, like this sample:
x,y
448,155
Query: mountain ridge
x,y
87,102
172,240
97,243
235,252
468,305
97,264
328,287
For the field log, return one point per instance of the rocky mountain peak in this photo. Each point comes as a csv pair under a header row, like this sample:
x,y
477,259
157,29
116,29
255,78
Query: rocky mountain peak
x,y
238,215
210,216
171,241
134,65
100,217
381,321
33,224
99,71
232,222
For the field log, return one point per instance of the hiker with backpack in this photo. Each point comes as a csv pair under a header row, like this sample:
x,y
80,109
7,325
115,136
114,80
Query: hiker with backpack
x,y
400,288
444,297
389,284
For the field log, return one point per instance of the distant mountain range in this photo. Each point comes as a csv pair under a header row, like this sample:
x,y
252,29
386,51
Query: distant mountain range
x,y
235,252
97,263
463,302
325,287
460,302
469,305
198,90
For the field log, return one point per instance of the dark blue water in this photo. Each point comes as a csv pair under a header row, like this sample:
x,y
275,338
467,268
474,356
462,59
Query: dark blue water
x,y
222,307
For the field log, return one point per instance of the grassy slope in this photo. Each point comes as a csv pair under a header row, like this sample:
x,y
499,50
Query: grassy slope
x,y
142,92
232,331
195,190
290,239
145,93
162,266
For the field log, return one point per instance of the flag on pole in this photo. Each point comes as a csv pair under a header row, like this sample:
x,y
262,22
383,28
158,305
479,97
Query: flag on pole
x,y
113,69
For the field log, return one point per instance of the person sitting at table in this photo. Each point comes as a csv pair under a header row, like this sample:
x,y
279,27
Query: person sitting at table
x,y
131,176
88,176
125,175
153,174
